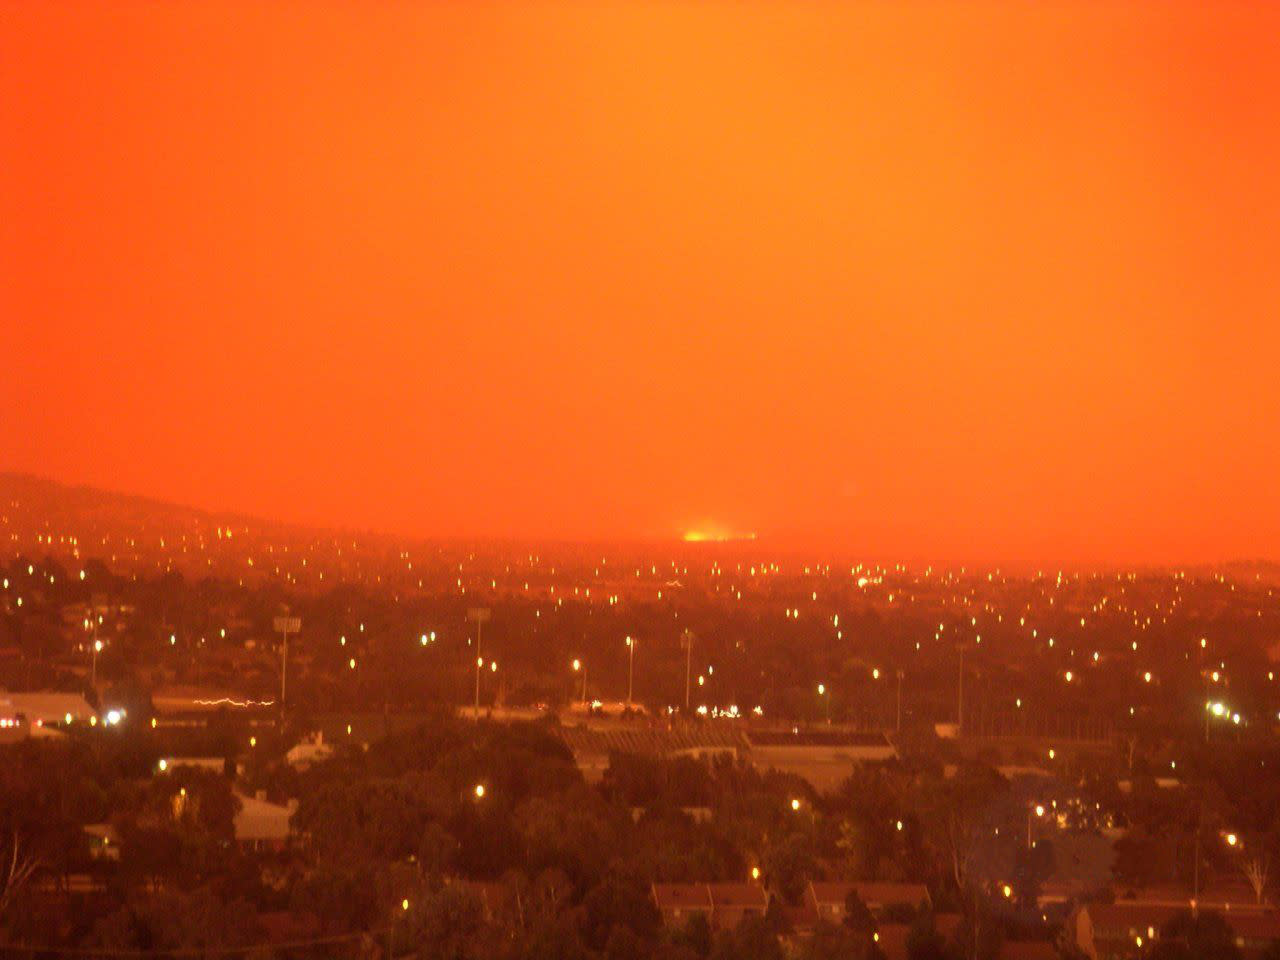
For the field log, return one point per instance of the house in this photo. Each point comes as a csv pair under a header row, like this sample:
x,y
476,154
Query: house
x,y
1103,930
828,899
308,751
261,825
678,901
103,841
1226,898
1114,930
696,814
735,902
725,905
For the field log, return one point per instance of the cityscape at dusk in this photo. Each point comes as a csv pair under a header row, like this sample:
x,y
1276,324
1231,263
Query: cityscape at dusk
x,y
612,481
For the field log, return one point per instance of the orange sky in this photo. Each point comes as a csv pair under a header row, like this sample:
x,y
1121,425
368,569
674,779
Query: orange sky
x,y
954,281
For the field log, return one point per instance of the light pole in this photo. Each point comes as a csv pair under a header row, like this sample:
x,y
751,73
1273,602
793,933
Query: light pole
x,y
631,666
826,700
687,637
580,667
479,615
1038,810
93,670
286,625
897,725
960,696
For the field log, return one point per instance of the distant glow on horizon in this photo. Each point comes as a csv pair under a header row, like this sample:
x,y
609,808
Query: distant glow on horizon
x,y
715,536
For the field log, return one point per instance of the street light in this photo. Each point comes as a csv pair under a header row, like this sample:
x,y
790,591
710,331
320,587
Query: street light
x,y
687,639
480,615
897,724
631,665
580,667
1038,810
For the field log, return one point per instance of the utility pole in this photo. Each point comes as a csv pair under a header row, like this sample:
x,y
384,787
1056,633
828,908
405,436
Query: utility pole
x,y
960,697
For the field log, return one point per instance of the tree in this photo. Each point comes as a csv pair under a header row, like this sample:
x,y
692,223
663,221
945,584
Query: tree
x,y
1255,866
618,900
923,940
857,915
832,942
1203,935
17,866
788,865
446,925
753,939
696,934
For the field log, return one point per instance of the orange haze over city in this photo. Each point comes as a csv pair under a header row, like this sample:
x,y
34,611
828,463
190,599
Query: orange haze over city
x,y
972,282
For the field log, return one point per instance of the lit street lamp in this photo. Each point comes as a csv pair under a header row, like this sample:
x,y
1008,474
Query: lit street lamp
x,y
631,665
687,639
897,723
1038,810
479,615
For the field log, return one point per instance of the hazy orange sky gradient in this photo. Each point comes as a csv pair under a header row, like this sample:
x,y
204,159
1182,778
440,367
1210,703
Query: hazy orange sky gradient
x,y
946,281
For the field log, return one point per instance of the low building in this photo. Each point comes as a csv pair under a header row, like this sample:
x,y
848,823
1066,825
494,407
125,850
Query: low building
x,y
735,902
45,708
262,825
212,764
103,841
309,751
828,899
677,902
725,905
592,746
1111,930
823,758
1102,930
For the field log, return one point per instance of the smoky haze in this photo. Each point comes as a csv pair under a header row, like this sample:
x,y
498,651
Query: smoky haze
x,y
958,283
